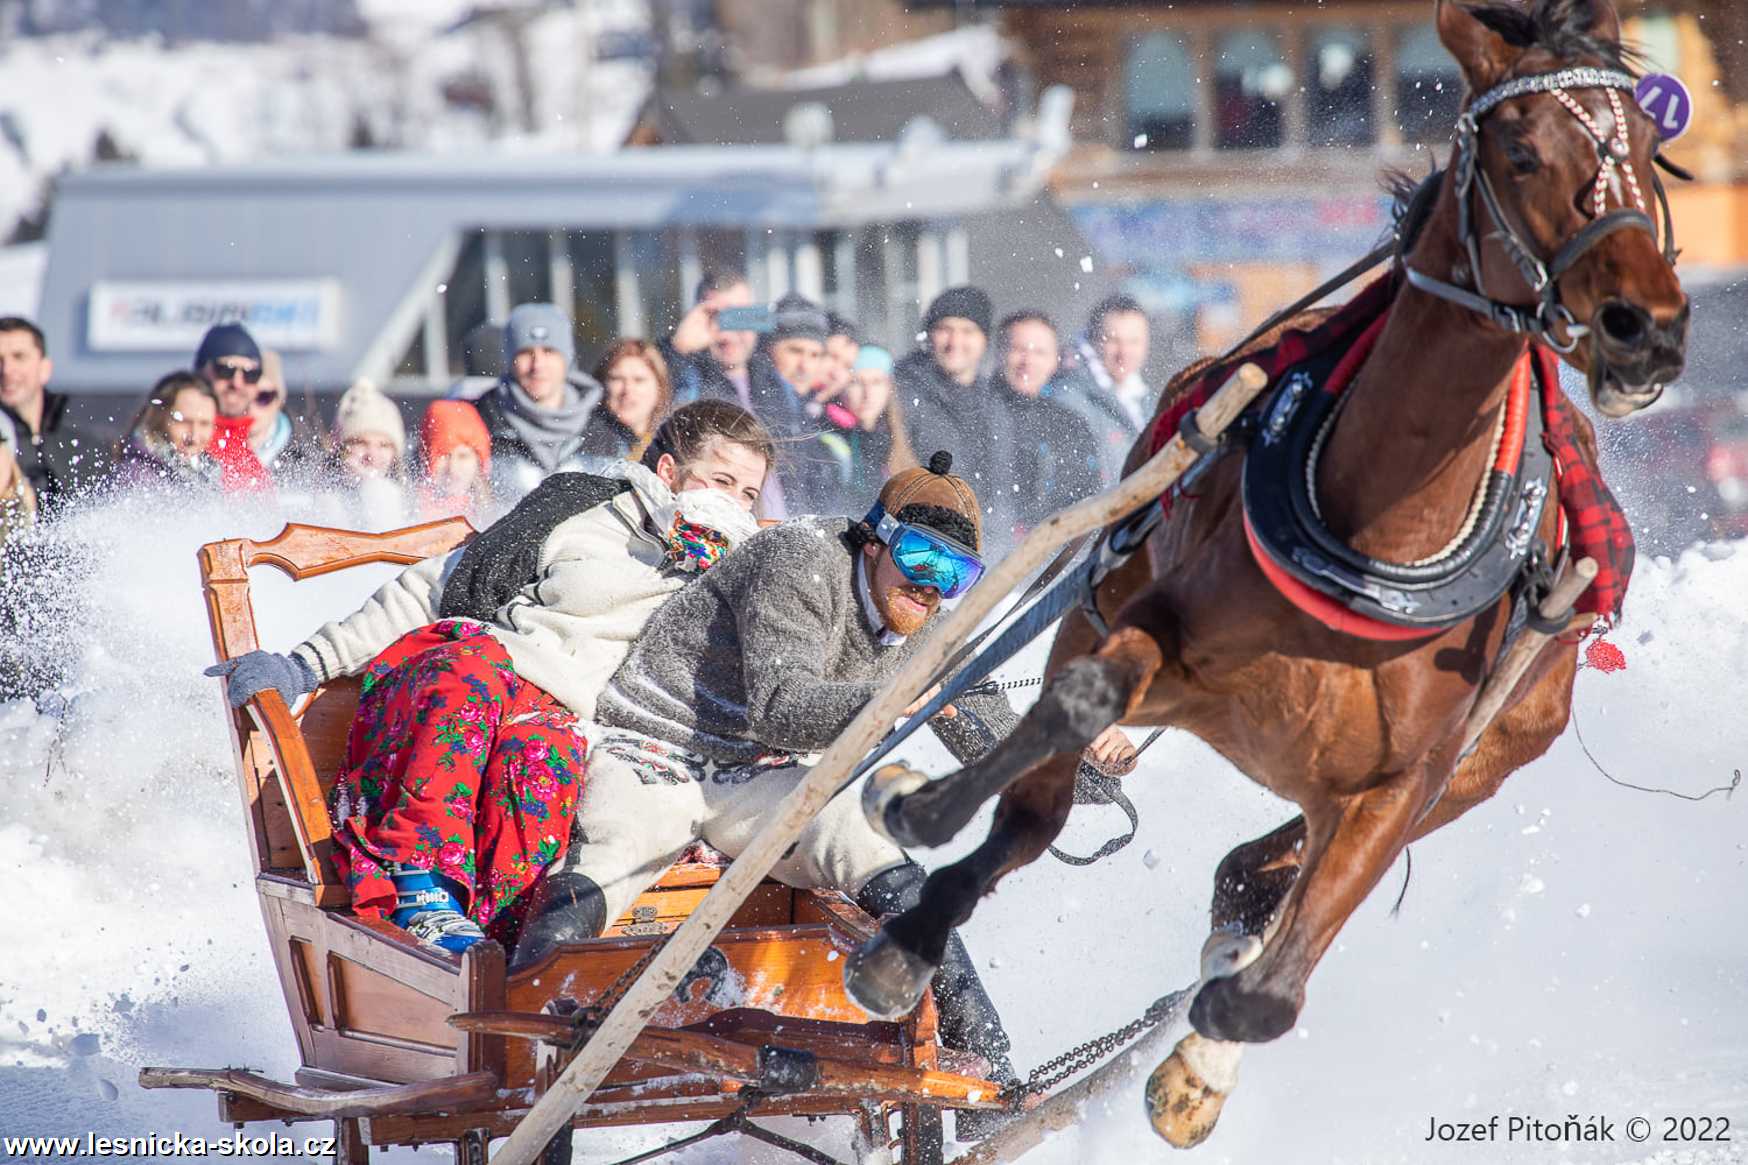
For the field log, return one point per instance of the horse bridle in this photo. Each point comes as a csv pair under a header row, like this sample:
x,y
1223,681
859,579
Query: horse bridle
x,y
1543,278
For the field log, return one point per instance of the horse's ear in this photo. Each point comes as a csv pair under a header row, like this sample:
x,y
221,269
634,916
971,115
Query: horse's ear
x,y
1595,18
1484,56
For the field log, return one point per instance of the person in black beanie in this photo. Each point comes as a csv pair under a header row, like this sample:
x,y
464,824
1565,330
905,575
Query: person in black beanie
x,y
781,374
946,393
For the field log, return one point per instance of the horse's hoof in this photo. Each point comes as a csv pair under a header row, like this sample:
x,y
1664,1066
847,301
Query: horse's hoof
x,y
1225,1011
1186,1093
1227,952
885,980
882,791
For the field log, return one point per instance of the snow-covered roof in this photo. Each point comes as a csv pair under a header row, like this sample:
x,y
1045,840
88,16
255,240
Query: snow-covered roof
x,y
383,229
974,52
861,110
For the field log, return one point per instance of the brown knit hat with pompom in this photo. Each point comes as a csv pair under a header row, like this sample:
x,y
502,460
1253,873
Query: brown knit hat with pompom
x,y
934,485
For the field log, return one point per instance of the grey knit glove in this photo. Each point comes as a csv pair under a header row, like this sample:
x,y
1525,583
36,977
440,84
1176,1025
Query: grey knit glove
x,y
258,671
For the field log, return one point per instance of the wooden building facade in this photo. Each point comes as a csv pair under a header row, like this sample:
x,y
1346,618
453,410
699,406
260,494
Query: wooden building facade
x,y
1228,154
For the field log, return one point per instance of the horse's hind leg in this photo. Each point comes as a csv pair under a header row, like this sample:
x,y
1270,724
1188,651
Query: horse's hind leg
x,y
1253,879
886,977
1186,1093
1349,845
1082,700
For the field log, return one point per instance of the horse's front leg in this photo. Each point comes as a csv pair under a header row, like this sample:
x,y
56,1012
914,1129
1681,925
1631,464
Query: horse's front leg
x,y
1084,698
1521,733
887,976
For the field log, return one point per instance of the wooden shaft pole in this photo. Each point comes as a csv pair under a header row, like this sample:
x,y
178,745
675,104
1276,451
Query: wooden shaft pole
x,y
1524,650
633,1011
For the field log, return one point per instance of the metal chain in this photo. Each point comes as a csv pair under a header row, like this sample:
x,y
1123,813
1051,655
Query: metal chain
x,y
1076,1060
588,1017
609,998
737,1122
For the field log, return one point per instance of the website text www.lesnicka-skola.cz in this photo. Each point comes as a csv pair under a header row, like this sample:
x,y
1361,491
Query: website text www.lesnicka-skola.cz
x,y
168,1146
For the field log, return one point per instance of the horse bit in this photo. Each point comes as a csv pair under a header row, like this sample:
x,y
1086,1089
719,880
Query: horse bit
x,y
1614,152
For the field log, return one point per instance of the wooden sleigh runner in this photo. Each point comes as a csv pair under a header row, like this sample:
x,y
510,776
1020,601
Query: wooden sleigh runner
x,y
404,1045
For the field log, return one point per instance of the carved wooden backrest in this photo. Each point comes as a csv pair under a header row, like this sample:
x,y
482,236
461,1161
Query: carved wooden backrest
x,y
287,763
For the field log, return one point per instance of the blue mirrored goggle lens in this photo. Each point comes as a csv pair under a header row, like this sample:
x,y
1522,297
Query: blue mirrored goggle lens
x,y
929,563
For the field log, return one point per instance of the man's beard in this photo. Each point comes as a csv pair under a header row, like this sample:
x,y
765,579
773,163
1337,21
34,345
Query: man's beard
x,y
902,618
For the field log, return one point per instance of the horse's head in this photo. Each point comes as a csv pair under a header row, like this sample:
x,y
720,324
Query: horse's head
x,y
1559,193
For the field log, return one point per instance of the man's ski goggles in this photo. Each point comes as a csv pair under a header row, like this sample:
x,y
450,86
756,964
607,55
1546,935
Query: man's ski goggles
x,y
928,558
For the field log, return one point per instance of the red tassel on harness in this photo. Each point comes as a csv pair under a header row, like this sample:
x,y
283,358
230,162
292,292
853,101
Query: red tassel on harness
x,y
1604,656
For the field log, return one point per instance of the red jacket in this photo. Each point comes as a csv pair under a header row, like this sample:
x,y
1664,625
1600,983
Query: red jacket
x,y
240,469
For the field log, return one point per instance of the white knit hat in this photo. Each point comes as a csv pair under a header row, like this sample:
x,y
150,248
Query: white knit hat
x,y
365,409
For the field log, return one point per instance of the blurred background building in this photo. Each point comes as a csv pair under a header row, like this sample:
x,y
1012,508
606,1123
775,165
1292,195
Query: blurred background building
x,y
1211,158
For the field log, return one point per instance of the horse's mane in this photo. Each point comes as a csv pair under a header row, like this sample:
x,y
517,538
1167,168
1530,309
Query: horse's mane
x,y
1562,27
1411,202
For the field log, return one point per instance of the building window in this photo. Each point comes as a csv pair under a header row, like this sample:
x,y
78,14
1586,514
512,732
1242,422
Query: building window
x,y
594,296
464,301
655,257
1429,86
1251,80
1338,92
525,264
1161,93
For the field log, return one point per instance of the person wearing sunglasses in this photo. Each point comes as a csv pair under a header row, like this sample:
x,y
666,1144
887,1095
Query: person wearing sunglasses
x,y
735,682
285,446
229,360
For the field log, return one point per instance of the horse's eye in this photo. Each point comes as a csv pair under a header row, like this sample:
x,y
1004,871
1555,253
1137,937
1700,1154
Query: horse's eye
x,y
1522,157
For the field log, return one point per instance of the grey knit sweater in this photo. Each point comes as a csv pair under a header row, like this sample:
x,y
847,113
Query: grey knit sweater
x,y
768,651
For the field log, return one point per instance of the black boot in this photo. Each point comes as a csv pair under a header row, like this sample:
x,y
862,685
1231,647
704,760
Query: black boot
x,y
969,1021
566,908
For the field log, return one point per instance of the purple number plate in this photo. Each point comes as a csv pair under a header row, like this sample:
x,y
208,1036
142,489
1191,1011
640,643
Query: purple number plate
x,y
1666,99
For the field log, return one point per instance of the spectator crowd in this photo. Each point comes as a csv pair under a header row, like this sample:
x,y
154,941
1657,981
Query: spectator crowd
x,y
1038,420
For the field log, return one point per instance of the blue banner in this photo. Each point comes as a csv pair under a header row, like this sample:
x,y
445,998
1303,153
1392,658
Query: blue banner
x,y
1175,232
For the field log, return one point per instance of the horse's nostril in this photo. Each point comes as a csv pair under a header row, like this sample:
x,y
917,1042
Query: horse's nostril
x,y
1623,323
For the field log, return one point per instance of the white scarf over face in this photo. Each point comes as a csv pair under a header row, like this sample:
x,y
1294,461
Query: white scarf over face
x,y
692,522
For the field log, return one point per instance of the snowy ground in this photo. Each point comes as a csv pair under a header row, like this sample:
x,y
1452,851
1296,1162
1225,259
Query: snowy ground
x,y
1571,948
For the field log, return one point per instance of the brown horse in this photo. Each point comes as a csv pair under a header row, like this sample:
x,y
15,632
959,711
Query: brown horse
x,y
1542,233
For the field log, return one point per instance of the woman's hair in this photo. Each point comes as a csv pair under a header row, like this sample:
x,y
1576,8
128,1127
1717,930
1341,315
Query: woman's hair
x,y
650,355
688,429
153,419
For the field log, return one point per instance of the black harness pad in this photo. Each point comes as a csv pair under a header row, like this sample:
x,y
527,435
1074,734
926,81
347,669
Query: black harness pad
x,y
1431,596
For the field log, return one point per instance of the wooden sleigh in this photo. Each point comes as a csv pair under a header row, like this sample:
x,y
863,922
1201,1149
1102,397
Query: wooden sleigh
x,y
404,1045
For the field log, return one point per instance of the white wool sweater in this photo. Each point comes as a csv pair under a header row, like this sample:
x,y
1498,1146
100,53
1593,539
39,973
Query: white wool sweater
x,y
602,575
